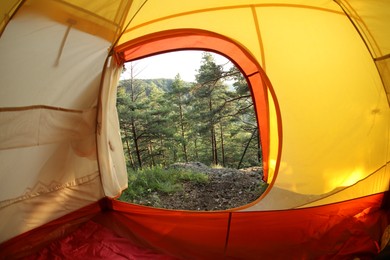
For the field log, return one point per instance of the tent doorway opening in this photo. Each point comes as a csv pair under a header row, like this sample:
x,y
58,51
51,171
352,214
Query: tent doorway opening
x,y
189,132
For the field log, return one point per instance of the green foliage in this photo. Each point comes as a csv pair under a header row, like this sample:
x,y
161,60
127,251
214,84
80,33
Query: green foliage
x,y
144,183
164,121
263,186
162,84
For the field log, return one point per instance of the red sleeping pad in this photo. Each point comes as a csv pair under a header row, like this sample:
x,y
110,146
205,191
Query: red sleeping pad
x,y
94,241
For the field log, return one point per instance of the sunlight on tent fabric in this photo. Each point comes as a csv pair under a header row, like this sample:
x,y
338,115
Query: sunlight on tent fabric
x,y
343,178
272,164
274,139
354,177
327,125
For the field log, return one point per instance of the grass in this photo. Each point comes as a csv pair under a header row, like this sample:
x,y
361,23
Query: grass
x,y
216,166
145,183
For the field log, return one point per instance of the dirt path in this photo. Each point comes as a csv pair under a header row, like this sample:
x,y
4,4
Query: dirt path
x,y
227,188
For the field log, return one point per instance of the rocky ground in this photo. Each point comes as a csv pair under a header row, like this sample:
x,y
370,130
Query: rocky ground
x,y
227,188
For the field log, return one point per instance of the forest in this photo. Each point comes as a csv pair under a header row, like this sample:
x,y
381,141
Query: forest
x,y
164,121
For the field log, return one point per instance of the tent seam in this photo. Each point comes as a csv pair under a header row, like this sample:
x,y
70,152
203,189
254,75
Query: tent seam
x,y
226,8
52,187
338,191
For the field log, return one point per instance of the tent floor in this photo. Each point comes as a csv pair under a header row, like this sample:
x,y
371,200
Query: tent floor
x,y
110,229
95,241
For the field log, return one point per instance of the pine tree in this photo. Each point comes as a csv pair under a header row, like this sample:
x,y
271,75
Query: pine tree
x,y
179,95
168,120
208,91
135,116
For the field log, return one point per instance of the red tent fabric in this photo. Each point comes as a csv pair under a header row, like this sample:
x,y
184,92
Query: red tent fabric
x,y
117,230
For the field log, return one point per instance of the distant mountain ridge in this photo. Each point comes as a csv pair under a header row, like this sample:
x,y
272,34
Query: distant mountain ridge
x,y
164,84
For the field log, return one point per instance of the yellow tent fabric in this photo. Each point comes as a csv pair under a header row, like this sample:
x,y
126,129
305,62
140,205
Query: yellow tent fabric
x,y
325,78
322,84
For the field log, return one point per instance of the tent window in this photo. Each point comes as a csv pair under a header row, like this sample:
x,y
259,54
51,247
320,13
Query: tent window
x,y
189,132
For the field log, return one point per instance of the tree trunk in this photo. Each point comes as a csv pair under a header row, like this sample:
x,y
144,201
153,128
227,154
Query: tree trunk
x,y
214,146
133,127
259,152
136,145
196,148
246,148
183,142
164,159
212,133
129,151
222,147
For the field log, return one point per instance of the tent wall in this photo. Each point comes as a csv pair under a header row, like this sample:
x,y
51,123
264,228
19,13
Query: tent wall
x,y
52,55
339,231
110,151
371,19
7,9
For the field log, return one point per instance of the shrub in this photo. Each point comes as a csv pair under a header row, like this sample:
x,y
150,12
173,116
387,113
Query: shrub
x,y
145,184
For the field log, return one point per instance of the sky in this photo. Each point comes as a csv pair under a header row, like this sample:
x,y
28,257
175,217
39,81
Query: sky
x,y
168,65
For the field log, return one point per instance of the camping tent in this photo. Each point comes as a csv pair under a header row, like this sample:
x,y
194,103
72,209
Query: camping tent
x,y
319,73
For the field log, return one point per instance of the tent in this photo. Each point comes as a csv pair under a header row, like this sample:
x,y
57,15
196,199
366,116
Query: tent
x,y
319,73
